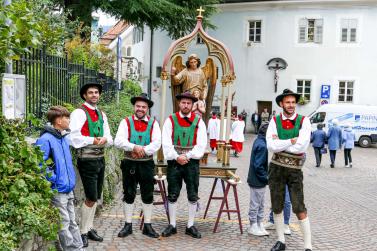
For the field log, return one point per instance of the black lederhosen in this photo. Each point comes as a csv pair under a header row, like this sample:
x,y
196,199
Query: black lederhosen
x,y
138,172
278,177
92,173
188,173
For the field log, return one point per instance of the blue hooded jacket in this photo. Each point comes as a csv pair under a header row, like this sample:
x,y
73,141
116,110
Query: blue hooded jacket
x,y
56,146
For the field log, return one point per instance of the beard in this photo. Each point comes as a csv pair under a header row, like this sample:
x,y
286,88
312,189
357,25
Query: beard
x,y
140,115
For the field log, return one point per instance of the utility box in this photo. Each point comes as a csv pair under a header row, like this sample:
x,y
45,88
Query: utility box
x,y
13,96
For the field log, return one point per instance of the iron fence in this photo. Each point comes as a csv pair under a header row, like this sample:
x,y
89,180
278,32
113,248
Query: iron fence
x,y
53,80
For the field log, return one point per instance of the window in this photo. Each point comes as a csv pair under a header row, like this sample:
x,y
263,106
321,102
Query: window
x,y
319,117
303,88
199,39
310,30
255,31
346,91
137,35
348,30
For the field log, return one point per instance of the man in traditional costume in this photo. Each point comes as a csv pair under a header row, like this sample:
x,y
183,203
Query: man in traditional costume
x,y
184,140
140,137
288,137
90,133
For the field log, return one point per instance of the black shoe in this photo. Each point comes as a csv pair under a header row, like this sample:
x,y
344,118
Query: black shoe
x,y
332,166
92,235
308,249
192,231
278,246
316,165
169,230
84,238
126,230
149,231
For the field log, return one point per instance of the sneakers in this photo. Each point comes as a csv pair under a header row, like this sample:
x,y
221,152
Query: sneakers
x,y
346,166
350,164
269,225
262,229
287,230
255,230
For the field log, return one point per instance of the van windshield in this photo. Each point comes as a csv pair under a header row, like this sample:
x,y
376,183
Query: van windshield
x,y
319,117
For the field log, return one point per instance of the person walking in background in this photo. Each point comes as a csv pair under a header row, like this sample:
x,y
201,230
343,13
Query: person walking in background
x,y
257,180
286,212
272,115
265,116
237,135
213,131
318,139
349,143
255,118
334,139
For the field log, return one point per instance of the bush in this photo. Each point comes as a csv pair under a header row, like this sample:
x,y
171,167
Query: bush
x,y
25,198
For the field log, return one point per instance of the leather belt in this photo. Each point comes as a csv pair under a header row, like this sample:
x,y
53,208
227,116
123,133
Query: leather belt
x,y
183,150
128,155
91,151
289,160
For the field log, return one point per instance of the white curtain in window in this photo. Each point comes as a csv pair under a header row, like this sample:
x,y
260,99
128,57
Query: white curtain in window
x,y
318,30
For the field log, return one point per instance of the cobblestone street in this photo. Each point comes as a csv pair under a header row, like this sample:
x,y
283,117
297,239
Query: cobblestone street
x,y
341,203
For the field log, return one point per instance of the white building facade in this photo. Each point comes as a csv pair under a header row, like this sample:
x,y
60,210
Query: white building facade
x,y
325,43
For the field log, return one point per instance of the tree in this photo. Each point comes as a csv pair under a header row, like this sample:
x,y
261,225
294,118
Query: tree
x,y
177,17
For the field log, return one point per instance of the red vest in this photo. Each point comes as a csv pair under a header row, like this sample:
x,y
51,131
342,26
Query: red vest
x,y
140,125
93,115
287,124
184,123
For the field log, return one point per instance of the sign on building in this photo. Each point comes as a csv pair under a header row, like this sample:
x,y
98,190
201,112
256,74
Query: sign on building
x,y
325,94
13,96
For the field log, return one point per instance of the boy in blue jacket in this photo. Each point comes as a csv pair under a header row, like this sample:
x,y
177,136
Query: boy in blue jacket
x,y
258,180
55,146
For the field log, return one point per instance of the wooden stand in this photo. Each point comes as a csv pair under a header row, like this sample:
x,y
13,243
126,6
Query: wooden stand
x,y
211,197
162,190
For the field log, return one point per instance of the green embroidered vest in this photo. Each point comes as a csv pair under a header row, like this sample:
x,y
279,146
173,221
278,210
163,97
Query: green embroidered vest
x,y
140,138
95,128
285,133
185,135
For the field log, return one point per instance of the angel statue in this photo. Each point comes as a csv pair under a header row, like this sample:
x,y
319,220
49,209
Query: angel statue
x,y
199,81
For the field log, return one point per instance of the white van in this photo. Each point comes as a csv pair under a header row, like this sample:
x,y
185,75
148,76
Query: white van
x,y
362,118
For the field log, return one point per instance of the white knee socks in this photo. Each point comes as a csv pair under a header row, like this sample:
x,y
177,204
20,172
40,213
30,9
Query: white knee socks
x,y
172,213
147,211
85,218
305,228
128,211
92,214
279,223
192,211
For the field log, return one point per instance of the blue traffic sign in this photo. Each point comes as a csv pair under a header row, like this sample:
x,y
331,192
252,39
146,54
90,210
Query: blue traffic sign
x,y
325,91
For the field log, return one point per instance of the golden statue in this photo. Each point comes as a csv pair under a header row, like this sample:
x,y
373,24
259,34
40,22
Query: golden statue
x,y
200,82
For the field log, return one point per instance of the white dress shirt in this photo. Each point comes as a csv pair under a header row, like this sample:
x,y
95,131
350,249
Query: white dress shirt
x,y
279,145
121,139
77,120
167,142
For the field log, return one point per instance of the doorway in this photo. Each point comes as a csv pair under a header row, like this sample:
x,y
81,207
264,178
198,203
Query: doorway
x,y
264,104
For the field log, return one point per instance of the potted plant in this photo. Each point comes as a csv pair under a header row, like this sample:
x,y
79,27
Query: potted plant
x,y
303,100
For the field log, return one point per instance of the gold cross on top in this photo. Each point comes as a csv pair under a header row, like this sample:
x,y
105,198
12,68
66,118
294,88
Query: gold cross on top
x,y
200,10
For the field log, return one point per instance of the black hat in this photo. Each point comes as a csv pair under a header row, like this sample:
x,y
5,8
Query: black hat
x,y
143,97
286,93
186,94
85,87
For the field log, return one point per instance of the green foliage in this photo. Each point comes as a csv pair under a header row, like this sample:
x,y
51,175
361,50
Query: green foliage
x,y
94,56
25,198
116,112
303,100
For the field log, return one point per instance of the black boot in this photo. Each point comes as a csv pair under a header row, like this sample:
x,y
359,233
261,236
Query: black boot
x,y
192,231
149,231
126,230
92,235
84,238
278,246
169,230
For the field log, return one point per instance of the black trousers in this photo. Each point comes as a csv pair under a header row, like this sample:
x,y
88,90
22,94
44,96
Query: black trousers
x,y
188,173
347,156
92,173
278,178
137,172
318,155
332,156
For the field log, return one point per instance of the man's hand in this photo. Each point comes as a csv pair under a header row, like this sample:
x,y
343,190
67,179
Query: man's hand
x,y
139,151
182,159
102,140
96,141
293,141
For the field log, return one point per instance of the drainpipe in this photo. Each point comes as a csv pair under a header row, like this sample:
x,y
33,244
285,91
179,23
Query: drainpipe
x,y
150,68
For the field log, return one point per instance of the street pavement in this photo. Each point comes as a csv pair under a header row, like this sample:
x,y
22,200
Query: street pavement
x,y
341,203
